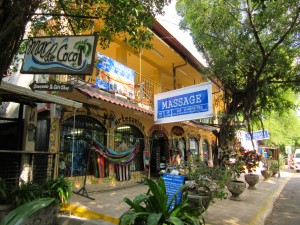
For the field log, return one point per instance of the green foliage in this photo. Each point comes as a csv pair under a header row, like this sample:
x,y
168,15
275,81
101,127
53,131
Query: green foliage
x,y
25,192
206,180
126,19
152,208
60,189
251,47
21,213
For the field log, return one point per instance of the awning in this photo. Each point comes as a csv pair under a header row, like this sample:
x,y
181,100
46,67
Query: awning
x,y
14,93
201,126
105,97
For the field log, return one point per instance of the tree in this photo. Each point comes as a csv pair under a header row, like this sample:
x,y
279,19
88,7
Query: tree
x,y
251,46
127,19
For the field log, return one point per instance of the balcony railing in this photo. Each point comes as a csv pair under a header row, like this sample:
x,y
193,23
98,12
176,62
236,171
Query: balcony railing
x,y
145,88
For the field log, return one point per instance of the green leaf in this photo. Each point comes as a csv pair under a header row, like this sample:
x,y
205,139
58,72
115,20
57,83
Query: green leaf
x,y
18,215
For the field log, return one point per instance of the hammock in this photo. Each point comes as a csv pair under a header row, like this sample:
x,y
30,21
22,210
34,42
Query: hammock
x,y
112,156
117,160
110,151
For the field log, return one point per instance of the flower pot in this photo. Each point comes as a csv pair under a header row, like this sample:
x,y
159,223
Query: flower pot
x,y
266,174
236,188
252,180
199,201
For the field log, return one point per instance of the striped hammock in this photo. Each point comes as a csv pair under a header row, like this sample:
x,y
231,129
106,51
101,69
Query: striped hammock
x,y
112,156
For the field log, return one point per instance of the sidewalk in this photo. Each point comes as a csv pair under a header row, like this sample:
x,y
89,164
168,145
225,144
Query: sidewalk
x,y
108,205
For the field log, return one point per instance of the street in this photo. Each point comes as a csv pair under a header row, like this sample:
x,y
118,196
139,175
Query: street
x,y
286,207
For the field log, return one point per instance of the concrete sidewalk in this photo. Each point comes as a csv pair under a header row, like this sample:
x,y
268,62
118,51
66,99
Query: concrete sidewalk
x,y
108,205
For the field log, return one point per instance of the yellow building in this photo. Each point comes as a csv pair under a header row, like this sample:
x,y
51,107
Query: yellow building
x,y
118,112
112,135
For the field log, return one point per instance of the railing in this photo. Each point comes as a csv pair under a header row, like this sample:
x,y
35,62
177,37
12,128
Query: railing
x,y
18,166
145,88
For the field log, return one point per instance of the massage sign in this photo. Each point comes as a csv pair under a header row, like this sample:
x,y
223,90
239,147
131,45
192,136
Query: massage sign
x,y
72,55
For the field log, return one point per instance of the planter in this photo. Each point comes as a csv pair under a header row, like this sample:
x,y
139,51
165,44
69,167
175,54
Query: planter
x,y
236,188
252,180
266,174
199,201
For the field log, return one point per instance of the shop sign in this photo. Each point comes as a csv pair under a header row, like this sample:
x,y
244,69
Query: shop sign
x,y
34,86
258,135
72,55
173,184
190,103
114,77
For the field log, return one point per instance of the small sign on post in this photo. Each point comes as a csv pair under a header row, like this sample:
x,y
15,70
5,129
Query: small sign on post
x,y
173,184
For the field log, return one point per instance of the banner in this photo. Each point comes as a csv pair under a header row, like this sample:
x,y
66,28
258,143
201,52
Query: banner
x,y
258,135
114,77
189,103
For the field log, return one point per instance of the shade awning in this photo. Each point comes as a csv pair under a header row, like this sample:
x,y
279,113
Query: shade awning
x,y
124,103
14,93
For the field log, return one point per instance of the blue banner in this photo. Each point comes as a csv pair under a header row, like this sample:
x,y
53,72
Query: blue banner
x,y
114,76
258,135
194,102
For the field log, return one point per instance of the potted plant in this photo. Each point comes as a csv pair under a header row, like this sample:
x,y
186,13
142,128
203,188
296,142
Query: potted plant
x,y
235,168
204,183
44,200
276,165
266,172
251,159
154,208
60,189
25,192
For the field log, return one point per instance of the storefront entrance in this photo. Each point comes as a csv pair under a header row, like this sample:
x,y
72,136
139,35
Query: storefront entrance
x,y
159,152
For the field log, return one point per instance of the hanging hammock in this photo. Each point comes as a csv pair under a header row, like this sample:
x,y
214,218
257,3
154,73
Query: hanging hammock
x,y
112,156
111,152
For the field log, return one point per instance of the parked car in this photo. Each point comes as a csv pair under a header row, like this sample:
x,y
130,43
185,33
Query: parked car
x,y
296,160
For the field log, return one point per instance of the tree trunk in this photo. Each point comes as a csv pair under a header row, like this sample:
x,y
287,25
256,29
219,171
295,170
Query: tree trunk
x,y
14,15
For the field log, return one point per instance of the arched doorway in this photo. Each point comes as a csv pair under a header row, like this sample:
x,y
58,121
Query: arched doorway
x,y
126,136
74,148
159,152
194,147
205,147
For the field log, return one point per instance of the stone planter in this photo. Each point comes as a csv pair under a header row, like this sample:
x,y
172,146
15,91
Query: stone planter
x,y
236,188
252,180
199,201
266,174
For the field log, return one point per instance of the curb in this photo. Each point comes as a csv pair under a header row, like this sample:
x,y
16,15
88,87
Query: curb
x,y
87,214
267,207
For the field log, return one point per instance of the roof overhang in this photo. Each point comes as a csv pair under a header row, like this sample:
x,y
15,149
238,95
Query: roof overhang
x,y
14,93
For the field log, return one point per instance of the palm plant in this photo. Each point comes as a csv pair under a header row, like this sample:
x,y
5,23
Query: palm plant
x,y
153,208
25,192
60,189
